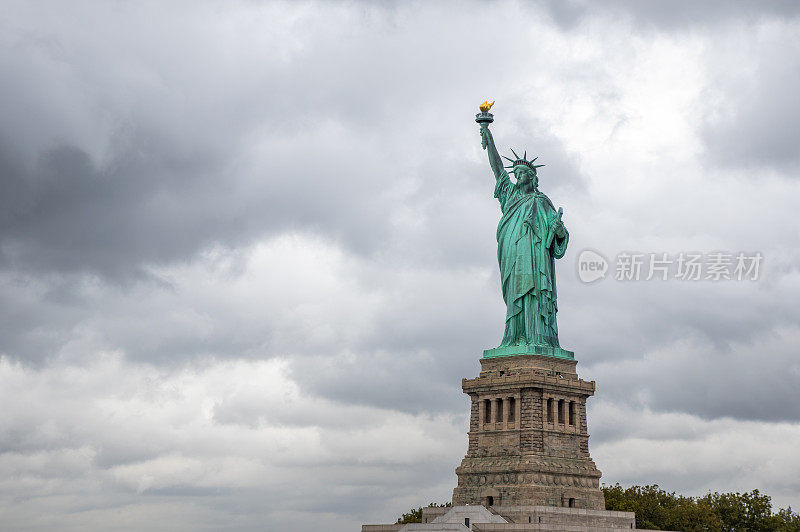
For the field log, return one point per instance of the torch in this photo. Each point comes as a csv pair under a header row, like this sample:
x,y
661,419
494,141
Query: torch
x,y
484,118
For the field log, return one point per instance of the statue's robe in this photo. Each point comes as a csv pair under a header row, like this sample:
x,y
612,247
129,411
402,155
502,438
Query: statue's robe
x,y
527,247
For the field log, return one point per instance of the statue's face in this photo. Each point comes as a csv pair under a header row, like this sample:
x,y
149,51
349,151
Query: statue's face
x,y
525,175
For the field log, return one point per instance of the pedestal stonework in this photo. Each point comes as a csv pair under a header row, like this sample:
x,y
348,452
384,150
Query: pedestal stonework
x,y
528,438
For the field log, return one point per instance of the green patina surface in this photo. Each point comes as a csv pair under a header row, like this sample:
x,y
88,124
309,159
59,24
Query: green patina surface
x,y
531,349
530,237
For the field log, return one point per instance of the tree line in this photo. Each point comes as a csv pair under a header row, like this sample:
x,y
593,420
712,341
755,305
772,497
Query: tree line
x,y
657,509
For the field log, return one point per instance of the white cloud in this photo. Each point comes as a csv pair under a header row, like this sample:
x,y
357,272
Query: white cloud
x,y
124,436
693,456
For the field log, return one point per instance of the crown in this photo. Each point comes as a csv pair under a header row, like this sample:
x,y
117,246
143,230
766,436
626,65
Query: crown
x,y
523,161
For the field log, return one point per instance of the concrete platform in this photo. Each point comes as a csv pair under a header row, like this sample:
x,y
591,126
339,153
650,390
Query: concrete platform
x,y
513,518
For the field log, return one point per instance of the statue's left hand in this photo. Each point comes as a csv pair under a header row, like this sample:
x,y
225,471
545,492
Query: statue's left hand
x,y
559,229
558,225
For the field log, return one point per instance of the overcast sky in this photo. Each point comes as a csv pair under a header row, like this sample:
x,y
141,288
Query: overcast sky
x,y
247,250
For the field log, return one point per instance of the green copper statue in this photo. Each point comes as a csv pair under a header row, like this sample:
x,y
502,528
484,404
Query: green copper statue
x,y
530,236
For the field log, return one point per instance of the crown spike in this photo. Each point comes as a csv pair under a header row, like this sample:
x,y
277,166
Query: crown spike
x,y
508,158
525,155
515,153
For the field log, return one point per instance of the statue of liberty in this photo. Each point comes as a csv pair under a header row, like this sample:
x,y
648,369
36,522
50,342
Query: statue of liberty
x,y
530,236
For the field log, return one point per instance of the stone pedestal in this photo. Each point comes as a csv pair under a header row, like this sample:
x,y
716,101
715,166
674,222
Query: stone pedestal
x,y
527,467
528,438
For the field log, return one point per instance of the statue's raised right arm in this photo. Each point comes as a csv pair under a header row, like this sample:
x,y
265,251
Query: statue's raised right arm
x,y
487,141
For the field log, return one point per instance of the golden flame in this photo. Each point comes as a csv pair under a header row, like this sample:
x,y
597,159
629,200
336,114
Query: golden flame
x,y
485,106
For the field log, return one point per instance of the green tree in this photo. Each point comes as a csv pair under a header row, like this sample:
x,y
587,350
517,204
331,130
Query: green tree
x,y
692,516
654,507
744,511
657,509
412,516
415,516
790,521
